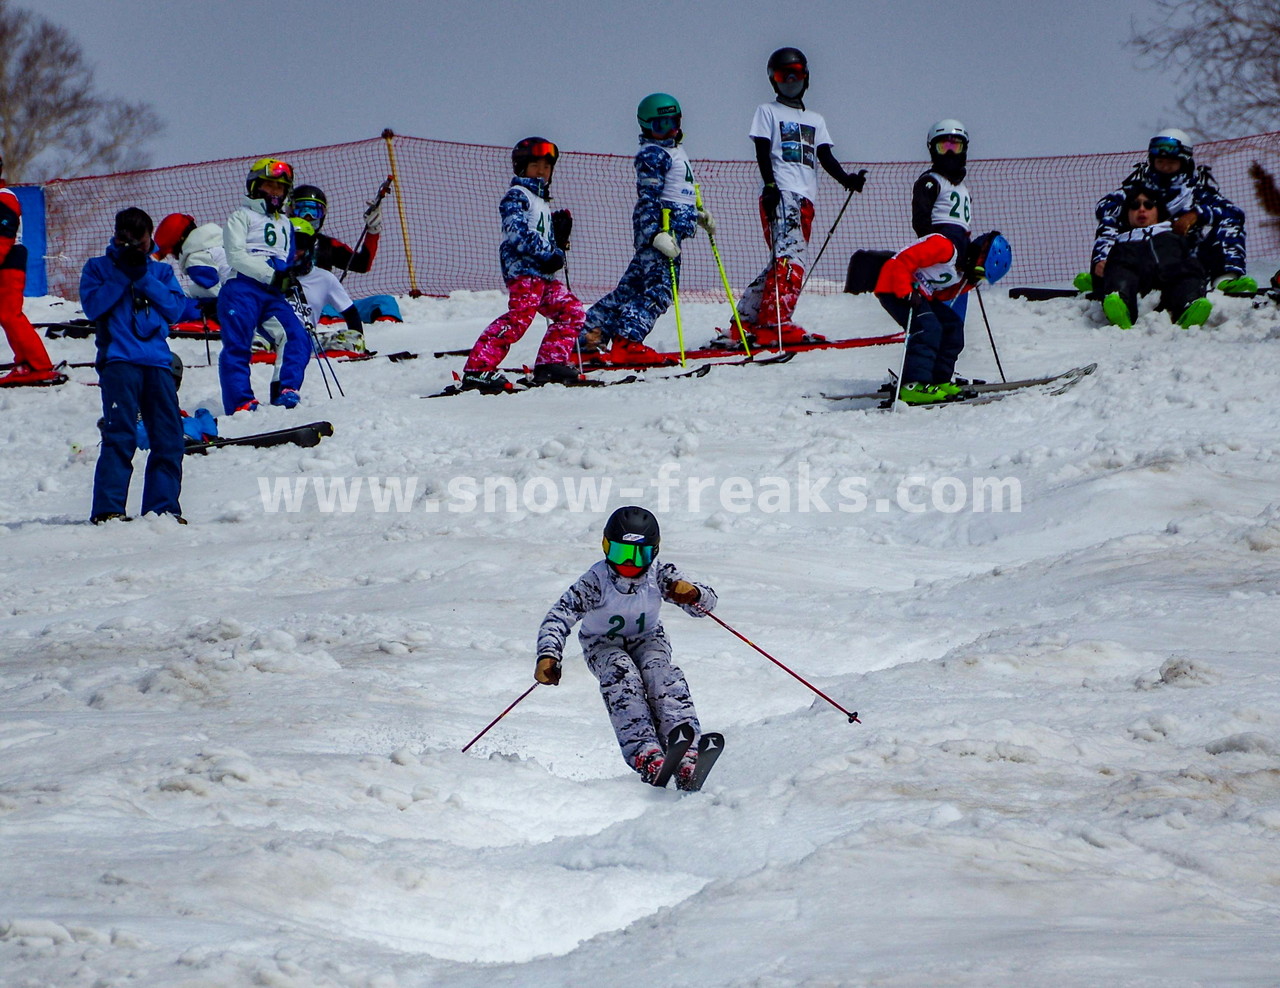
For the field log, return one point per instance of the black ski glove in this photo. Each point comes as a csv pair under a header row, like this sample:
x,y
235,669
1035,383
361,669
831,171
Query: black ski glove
x,y
132,262
553,263
770,197
562,227
856,181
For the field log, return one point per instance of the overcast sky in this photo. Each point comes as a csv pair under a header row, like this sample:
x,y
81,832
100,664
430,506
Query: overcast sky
x,y
233,78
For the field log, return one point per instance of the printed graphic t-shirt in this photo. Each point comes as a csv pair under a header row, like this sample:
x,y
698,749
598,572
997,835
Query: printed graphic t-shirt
x,y
794,136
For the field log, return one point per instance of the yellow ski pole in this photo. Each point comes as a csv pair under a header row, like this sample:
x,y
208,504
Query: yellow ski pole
x,y
675,289
724,278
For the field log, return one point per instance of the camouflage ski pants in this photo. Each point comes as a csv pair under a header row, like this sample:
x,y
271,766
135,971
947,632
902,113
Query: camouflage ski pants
x,y
770,300
643,294
645,693
529,296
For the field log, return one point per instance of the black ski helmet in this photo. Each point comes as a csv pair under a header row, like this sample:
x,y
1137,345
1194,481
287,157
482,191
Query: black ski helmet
x,y
787,80
531,148
630,542
309,203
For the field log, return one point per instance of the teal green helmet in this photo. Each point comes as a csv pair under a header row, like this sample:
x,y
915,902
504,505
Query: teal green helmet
x,y
659,114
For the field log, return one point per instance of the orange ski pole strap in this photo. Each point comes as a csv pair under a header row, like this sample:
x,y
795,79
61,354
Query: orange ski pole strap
x,y
501,715
853,716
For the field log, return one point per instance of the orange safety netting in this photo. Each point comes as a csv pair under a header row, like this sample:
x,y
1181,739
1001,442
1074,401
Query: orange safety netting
x,y
441,227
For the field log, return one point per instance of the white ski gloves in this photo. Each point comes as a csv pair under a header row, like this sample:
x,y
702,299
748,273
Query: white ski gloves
x,y
373,218
706,221
665,244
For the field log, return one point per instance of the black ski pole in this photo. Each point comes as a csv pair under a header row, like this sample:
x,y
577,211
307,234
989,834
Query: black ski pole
x,y
906,342
324,361
977,291
315,352
852,715
839,216
377,201
208,353
500,716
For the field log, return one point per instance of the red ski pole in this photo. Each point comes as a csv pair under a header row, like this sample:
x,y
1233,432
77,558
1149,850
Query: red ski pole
x,y
853,717
501,715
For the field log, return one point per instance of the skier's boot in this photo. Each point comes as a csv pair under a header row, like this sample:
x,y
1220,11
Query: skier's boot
x,y
649,763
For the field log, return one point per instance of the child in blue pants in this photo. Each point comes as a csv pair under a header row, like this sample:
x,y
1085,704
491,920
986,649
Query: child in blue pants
x,y
258,240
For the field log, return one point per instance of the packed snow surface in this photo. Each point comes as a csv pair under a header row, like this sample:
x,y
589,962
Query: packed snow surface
x,y
231,750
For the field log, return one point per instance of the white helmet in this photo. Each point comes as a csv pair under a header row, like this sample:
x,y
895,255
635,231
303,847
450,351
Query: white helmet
x,y
1170,142
947,128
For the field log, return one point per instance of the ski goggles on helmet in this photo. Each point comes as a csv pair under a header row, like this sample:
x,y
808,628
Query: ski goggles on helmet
x,y
272,169
309,210
541,149
944,144
1165,147
628,554
795,72
663,126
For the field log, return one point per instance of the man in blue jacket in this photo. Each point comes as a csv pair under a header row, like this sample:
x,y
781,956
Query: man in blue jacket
x,y
133,299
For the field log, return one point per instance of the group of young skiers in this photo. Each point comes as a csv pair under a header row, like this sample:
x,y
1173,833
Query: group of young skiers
x,y
260,275
1194,237
267,274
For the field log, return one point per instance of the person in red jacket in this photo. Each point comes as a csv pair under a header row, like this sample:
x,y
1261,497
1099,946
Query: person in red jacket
x,y
30,359
915,287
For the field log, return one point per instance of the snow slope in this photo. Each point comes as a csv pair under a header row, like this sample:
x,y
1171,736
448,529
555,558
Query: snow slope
x,y
231,749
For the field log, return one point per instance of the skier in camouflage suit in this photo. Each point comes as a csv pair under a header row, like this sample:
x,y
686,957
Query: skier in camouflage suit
x,y
664,185
1212,223
618,602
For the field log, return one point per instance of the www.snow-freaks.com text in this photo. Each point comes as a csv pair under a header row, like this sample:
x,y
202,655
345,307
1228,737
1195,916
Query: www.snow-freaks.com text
x,y
806,492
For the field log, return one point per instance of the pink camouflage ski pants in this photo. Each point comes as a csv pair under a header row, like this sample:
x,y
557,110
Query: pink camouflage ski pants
x,y
529,296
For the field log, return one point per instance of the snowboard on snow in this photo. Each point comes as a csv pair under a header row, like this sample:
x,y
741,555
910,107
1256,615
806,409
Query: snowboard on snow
x,y
300,435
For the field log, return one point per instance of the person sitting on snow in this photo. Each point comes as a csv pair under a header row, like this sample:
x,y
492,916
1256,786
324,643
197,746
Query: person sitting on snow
x,y
200,255
1147,255
311,204
320,288
1212,223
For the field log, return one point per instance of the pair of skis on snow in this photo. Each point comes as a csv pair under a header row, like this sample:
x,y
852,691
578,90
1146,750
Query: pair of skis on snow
x,y
678,742
527,383
723,348
980,392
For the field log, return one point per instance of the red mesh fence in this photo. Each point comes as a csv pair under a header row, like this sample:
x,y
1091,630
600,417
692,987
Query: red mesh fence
x,y
441,232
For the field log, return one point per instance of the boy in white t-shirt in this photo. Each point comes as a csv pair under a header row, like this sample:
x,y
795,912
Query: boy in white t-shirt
x,y
791,141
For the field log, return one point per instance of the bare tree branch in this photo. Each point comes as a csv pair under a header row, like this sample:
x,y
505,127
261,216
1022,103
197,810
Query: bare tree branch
x,y
52,120
1227,53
